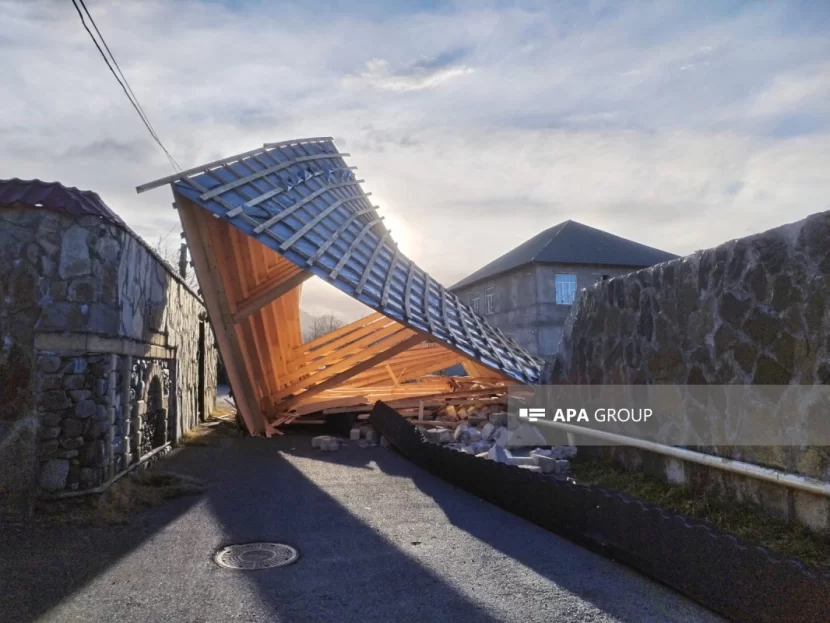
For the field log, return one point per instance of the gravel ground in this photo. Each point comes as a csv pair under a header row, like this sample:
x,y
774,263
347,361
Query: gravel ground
x,y
380,540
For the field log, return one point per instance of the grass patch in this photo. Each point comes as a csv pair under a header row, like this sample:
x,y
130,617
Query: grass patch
x,y
132,493
213,433
747,521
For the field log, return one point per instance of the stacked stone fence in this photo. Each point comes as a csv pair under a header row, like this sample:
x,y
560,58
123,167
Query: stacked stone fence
x,y
753,310
100,356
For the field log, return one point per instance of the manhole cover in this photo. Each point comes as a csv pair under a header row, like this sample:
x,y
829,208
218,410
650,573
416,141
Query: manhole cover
x,y
256,556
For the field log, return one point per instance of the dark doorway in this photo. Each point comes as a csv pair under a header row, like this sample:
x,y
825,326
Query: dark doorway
x,y
200,398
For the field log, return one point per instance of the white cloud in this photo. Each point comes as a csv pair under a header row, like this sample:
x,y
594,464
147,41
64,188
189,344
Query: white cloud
x,y
474,128
379,75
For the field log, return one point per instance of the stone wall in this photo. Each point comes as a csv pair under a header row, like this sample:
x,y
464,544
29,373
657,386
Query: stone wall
x,y
753,310
92,324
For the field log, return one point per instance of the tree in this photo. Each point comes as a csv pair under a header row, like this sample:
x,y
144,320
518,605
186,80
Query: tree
x,y
320,325
172,254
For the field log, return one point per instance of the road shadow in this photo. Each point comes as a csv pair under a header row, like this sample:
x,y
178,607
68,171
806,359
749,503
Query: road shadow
x,y
613,588
44,562
150,569
347,570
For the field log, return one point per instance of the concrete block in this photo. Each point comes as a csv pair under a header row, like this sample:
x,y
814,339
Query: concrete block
x,y
316,442
501,436
532,468
498,418
499,454
459,431
520,461
330,444
354,434
545,463
487,431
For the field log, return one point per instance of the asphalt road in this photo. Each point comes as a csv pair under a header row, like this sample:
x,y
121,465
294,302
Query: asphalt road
x,y
380,540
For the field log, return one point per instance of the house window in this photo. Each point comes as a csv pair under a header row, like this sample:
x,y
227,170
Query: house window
x,y
490,301
475,302
565,289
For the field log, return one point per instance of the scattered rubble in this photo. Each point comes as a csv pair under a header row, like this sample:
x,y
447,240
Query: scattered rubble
x,y
490,439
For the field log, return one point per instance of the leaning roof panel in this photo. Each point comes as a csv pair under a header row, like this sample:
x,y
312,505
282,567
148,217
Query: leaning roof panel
x,y
301,199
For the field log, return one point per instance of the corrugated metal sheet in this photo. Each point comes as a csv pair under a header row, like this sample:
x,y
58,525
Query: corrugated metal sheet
x,y
56,196
301,199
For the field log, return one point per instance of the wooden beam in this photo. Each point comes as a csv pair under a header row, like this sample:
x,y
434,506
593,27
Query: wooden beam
x,y
218,305
357,369
258,301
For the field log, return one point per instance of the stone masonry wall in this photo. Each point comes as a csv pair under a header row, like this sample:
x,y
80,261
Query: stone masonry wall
x,y
66,278
753,310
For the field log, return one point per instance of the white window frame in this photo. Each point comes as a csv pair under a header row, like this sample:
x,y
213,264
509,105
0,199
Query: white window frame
x,y
475,302
490,301
565,287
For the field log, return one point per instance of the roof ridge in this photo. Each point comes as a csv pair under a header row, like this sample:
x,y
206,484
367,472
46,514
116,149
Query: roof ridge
x,y
558,227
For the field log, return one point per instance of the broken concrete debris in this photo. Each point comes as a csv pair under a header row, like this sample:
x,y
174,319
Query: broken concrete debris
x,y
326,443
491,439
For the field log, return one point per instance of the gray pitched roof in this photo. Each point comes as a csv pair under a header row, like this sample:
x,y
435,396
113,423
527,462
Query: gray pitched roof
x,y
571,243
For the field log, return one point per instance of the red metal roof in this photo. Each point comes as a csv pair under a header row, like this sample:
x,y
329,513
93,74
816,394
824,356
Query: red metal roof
x,y
56,196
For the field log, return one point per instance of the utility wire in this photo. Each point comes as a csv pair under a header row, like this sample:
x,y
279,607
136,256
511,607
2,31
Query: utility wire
x,y
125,86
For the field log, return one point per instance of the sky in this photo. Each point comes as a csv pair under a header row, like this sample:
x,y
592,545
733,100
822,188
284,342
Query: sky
x,y
475,124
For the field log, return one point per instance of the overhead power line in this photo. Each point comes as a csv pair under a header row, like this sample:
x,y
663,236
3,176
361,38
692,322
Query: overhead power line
x,y
122,80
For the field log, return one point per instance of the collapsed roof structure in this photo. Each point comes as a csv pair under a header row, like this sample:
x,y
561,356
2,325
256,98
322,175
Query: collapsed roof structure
x,y
258,225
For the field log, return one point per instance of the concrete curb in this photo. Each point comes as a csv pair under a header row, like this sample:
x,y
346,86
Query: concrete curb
x,y
740,581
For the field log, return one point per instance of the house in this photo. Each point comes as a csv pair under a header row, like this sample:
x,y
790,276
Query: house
x,y
528,292
106,354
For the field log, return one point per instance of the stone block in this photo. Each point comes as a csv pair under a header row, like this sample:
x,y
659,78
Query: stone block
x,y
330,444
52,419
80,394
50,381
523,460
501,436
49,432
499,418
85,409
459,431
438,435
72,427
101,387
49,364
53,475
73,443
96,429
92,453
531,468
545,463
487,431
316,442
74,257
102,413
73,381
499,454
354,434
48,447
54,400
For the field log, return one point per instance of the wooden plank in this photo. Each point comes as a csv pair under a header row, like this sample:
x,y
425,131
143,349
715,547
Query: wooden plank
x,y
365,365
356,352
253,304
218,306
392,376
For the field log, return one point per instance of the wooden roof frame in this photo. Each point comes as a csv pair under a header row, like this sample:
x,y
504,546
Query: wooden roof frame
x,y
259,225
